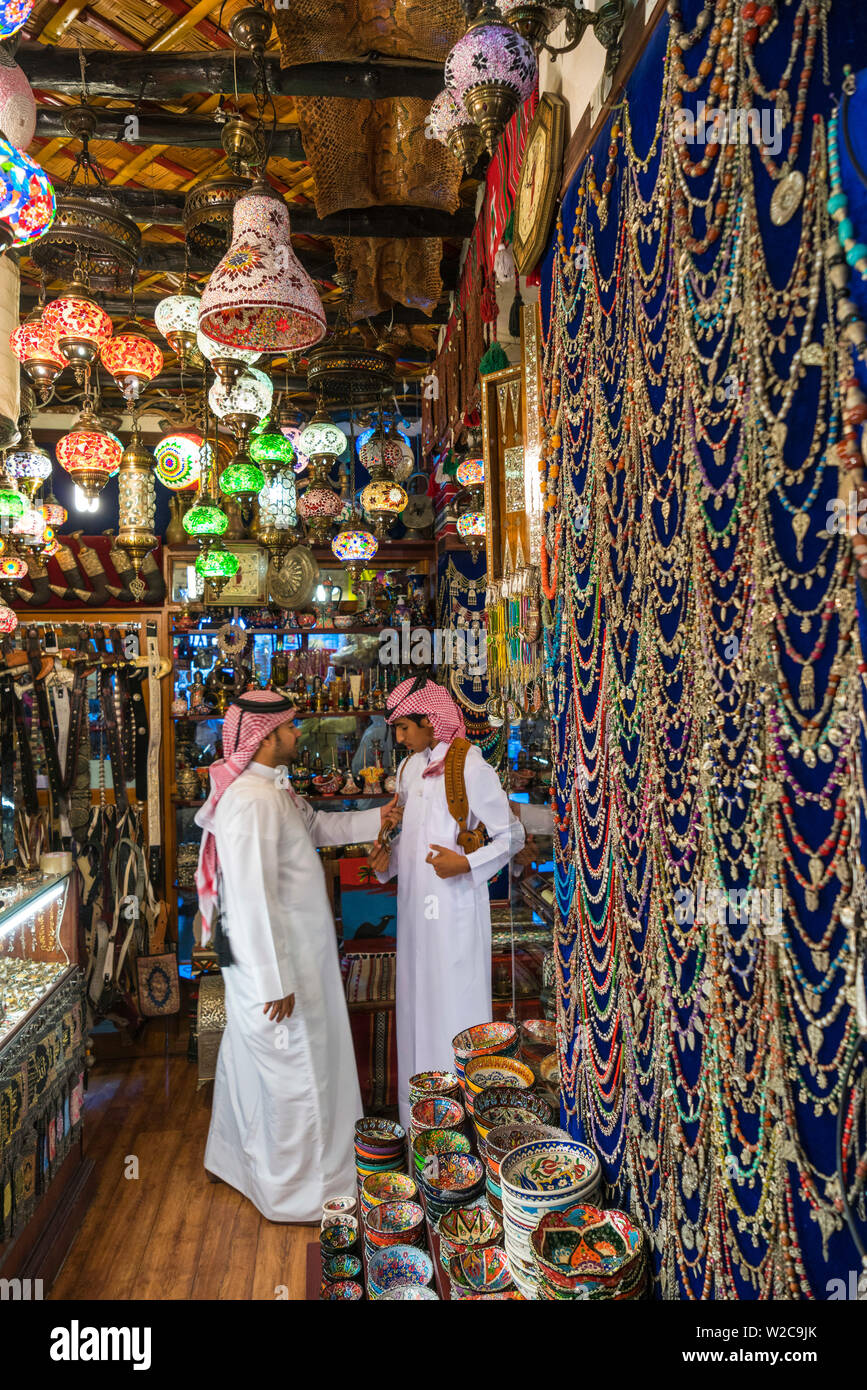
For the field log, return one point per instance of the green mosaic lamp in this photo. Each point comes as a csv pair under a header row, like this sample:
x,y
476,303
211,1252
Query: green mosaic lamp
x,y
271,449
242,479
217,563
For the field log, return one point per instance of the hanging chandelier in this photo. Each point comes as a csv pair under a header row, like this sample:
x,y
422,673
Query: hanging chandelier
x,y
241,406
136,500
89,454
178,460
80,325
27,206
27,463
490,72
259,296
55,515
131,359
205,519
228,362
319,505
34,343
14,14
177,319
449,123
278,511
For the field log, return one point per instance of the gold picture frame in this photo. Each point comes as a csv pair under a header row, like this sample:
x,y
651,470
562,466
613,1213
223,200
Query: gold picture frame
x,y
539,182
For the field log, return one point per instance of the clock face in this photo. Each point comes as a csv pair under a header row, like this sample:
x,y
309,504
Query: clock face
x,y
533,182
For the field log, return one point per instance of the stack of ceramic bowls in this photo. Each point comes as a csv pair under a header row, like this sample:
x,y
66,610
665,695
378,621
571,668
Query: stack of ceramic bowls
x,y
502,1141
436,1112
480,1271
481,1073
393,1223
484,1040
380,1146
467,1228
508,1105
339,1267
337,1209
398,1266
538,1178
344,1291
438,1143
587,1254
453,1181
410,1293
341,1239
434,1083
386,1187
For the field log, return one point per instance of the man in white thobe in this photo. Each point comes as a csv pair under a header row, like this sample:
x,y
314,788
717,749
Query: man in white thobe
x,y
286,1093
443,909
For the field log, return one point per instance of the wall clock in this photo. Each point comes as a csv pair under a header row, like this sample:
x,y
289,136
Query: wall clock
x,y
539,183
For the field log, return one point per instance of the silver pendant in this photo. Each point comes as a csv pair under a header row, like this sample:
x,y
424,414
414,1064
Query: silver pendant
x,y
787,197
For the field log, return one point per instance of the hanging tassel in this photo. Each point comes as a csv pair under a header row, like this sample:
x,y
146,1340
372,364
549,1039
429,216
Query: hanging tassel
x,y
494,360
515,311
504,263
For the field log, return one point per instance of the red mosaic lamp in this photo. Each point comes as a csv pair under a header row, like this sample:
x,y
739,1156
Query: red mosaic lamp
x,y
80,325
35,345
89,455
132,359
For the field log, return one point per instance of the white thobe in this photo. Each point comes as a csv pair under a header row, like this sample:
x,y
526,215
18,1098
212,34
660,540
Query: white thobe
x,y
444,924
286,1095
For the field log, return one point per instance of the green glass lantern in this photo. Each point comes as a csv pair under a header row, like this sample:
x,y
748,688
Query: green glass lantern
x,y
11,504
206,519
271,449
217,563
242,480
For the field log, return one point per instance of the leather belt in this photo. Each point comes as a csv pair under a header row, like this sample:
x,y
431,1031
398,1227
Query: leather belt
x,y
7,770
25,753
109,720
46,728
155,865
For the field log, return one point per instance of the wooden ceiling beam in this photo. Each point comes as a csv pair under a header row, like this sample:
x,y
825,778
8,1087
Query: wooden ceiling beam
x,y
163,207
164,76
185,132
145,309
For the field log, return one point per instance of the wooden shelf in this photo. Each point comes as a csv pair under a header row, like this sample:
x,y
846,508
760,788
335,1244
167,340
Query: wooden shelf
x,y
312,714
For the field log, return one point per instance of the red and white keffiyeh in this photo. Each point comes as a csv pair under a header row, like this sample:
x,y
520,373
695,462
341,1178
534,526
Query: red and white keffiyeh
x,y
244,729
444,713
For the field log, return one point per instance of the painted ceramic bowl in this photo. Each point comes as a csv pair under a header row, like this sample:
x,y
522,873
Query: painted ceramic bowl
x,y
539,1033
335,1219
342,621
438,1142
480,1271
339,1267
344,1291
467,1228
375,1134
338,1240
511,1294
588,1245
481,1073
437,1112
504,1139
547,1170
484,1040
339,1206
454,1176
508,1105
410,1293
434,1083
394,1223
396,1266
387,1187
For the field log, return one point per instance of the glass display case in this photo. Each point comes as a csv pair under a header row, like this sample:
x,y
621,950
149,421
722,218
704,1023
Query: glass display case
x,y
33,954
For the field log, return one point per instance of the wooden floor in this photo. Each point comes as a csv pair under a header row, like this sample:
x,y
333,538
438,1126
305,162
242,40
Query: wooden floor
x,y
169,1233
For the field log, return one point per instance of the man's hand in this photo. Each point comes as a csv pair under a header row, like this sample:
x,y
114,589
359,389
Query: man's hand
x,y
280,1008
391,813
378,858
447,863
530,854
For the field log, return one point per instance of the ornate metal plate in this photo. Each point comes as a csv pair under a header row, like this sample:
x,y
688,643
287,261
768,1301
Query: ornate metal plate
x,y
291,584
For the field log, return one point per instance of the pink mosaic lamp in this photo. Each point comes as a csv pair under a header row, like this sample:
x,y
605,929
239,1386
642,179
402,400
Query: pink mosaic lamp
x,y
260,297
490,71
449,123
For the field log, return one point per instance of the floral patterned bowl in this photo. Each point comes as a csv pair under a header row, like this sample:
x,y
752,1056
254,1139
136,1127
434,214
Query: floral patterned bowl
x,y
483,1072
456,1176
340,1239
497,1106
541,1174
500,1140
429,1083
387,1187
398,1265
587,1244
467,1228
394,1223
439,1142
480,1271
373,1133
539,1033
341,1267
484,1040
438,1112
344,1291
411,1293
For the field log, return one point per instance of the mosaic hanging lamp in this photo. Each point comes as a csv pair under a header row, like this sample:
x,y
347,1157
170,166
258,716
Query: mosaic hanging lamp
x,y
89,455
448,122
178,460
12,502
30,532
8,620
278,511
270,448
321,440
55,515
383,500
248,400
471,473
27,205
14,14
241,479
81,326
136,500
131,359
177,319
35,345
205,519
12,568
490,71
27,464
17,106
216,565
354,546
259,296
227,362
471,529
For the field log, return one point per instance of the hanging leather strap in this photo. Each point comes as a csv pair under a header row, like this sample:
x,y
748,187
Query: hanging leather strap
x,y
56,800
109,719
7,770
456,796
81,661
25,752
155,714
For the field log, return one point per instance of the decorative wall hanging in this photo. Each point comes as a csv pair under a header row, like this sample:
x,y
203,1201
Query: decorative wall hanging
x,y
701,659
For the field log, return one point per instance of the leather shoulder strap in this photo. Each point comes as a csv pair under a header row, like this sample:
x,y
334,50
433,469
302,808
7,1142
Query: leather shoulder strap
x,y
456,787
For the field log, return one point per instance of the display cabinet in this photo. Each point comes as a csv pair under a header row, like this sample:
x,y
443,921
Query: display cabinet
x,y
44,1174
